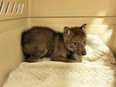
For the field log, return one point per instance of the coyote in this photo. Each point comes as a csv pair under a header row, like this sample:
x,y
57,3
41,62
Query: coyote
x,y
39,42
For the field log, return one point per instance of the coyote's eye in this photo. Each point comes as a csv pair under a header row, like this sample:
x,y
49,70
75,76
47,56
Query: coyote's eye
x,y
84,42
76,44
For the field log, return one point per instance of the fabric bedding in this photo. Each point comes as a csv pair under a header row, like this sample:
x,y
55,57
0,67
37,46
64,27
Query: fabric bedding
x,y
96,69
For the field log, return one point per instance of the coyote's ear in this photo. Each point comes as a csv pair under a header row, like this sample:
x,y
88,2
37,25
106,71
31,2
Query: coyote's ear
x,y
83,26
67,31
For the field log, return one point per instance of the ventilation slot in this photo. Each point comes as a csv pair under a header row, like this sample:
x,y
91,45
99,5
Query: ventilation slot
x,y
1,6
17,9
22,8
13,7
7,8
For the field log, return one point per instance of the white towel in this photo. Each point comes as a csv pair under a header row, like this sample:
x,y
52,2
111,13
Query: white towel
x,y
97,69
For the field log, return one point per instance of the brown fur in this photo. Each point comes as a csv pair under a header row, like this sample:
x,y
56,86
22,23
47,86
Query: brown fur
x,y
39,42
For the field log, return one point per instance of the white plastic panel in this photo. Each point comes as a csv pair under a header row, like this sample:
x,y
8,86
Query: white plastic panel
x,y
13,20
10,9
113,6
64,8
10,48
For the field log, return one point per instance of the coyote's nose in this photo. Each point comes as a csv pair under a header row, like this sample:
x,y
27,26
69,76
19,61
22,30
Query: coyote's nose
x,y
84,53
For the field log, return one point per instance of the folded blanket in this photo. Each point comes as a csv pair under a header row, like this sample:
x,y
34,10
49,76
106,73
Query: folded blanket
x,y
97,69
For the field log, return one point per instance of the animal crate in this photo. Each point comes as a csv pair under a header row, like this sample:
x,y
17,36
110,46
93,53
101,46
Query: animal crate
x,y
19,15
